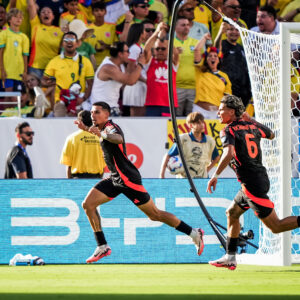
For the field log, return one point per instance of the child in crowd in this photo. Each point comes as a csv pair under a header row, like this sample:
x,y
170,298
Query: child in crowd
x,y
72,13
104,33
14,52
199,149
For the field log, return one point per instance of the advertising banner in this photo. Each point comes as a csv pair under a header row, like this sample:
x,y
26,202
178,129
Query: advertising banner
x,y
45,218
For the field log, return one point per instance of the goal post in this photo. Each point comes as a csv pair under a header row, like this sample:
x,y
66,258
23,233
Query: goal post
x,y
269,59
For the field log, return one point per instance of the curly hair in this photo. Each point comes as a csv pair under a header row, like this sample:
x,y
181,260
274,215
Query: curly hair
x,y
235,103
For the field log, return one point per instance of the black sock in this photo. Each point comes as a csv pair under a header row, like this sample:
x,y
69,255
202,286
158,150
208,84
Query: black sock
x,y
100,238
231,245
298,221
185,228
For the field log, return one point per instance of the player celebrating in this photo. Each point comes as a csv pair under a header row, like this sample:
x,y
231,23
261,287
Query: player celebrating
x,y
125,179
241,142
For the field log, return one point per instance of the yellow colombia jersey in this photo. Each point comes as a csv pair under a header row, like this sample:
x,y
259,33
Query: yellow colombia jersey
x,y
185,77
203,15
45,42
65,71
105,33
210,87
68,17
82,152
15,46
87,11
25,26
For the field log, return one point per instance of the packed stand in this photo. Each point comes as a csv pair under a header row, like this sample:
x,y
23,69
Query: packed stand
x,y
64,55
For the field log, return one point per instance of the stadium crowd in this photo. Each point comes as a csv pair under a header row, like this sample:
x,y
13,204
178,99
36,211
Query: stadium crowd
x,y
53,52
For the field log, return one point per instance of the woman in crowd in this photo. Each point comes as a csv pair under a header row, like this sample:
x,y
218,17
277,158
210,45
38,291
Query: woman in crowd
x,y
211,83
45,38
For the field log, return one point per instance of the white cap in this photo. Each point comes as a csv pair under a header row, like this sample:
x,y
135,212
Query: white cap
x,y
80,29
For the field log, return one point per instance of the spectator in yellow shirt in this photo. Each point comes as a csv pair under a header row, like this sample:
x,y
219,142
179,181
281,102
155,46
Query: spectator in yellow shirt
x,y
104,33
45,38
66,70
22,6
211,83
185,79
82,153
14,51
72,13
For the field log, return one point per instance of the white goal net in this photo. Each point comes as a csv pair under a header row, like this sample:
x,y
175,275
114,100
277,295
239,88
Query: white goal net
x,y
274,64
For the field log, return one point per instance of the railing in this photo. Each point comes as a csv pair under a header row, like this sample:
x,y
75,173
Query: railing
x,y
12,94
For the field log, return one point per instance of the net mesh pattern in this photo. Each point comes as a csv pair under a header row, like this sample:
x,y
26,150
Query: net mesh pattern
x,y
263,59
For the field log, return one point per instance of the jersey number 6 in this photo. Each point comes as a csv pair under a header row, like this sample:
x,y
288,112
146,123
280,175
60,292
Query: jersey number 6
x,y
251,145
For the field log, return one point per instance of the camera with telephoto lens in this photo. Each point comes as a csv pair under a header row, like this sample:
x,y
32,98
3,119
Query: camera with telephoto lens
x,y
243,238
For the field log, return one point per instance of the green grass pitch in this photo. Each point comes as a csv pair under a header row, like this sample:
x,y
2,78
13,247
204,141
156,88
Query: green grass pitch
x,y
157,281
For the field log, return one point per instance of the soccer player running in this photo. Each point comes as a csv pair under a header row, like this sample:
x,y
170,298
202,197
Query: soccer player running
x,y
125,179
241,149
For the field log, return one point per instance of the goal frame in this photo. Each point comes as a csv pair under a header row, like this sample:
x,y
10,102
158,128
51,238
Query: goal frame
x,y
284,258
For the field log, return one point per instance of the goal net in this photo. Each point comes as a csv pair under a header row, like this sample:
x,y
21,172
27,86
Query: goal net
x,y
274,64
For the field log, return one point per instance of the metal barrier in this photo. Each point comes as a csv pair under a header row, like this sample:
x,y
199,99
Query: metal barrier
x,y
12,94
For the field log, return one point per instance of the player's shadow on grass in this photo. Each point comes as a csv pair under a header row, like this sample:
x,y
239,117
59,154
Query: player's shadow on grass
x,y
140,297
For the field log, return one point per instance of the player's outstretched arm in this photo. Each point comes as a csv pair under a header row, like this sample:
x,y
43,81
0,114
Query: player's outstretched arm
x,y
227,155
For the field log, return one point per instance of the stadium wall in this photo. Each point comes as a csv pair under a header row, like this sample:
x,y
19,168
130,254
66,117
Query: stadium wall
x,y
146,140
44,217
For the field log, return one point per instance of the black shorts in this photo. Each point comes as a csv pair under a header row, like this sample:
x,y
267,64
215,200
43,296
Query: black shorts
x,y
262,205
135,192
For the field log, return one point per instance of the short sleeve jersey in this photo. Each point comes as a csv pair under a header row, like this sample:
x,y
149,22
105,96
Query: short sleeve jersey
x,y
107,34
66,72
69,18
210,87
247,160
121,168
186,73
83,153
45,42
16,45
17,161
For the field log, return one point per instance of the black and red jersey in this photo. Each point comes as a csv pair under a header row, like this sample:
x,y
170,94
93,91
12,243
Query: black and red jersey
x,y
247,160
121,168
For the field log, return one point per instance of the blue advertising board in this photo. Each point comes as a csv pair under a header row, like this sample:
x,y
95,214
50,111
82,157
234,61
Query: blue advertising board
x,y
44,217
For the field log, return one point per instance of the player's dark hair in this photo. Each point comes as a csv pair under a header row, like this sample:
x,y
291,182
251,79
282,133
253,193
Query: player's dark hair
x,y
134,34
116,48
103,104
20,126
70,33
194,117
85,117
99,4
235,103
270,10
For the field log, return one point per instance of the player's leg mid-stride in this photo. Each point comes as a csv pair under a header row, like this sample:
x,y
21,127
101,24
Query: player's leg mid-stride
x,y
197,235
